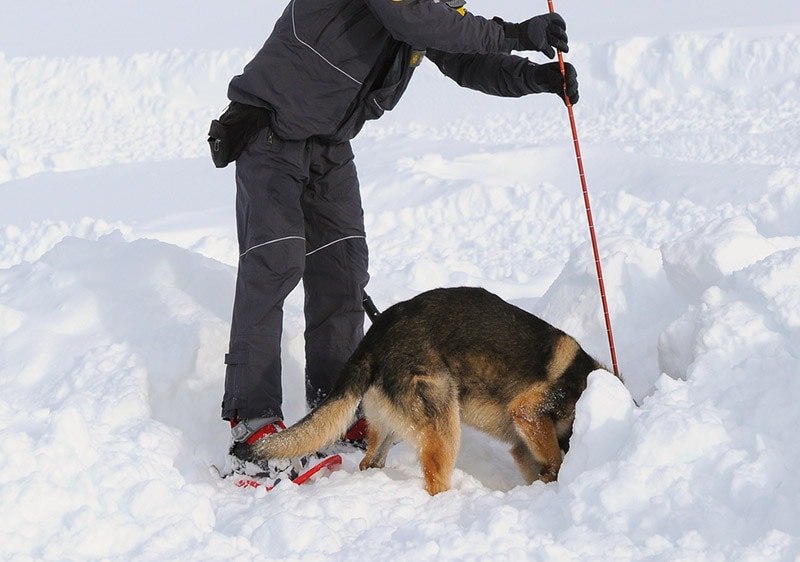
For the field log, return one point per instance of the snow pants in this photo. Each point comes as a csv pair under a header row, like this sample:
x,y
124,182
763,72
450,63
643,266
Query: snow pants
x,y
299,217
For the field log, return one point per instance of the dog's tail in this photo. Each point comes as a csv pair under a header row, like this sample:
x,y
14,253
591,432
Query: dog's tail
x,y
320,427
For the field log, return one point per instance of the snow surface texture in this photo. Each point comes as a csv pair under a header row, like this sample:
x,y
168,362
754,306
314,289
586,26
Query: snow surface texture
x,y
117,250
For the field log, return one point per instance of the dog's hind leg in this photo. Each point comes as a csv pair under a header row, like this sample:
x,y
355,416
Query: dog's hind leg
x,y
536,428
378,445
438,448
380,415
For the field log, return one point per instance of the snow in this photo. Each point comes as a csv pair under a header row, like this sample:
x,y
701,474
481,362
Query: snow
x,y
117,265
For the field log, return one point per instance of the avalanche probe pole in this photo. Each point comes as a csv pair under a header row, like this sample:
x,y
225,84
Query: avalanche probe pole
x,y
588,209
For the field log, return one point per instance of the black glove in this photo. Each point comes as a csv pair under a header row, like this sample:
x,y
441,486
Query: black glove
x,y
547,78
540,33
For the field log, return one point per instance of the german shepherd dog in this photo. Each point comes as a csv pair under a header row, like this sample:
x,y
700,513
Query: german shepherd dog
x,y
444,357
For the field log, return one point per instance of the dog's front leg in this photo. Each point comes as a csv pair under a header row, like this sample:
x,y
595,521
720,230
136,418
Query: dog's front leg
x,y
538,432
527,463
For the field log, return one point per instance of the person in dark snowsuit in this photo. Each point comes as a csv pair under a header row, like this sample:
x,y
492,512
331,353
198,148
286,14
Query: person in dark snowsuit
x,y
327,68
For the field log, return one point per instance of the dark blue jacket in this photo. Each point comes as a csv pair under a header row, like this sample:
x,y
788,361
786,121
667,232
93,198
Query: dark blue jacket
x,y
330,65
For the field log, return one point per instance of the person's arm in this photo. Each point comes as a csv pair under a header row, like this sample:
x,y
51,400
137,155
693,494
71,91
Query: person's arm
x,y
505,75
426,24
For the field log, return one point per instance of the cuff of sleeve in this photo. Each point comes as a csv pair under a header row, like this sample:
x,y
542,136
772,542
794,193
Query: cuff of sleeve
x,y
531,74
511,33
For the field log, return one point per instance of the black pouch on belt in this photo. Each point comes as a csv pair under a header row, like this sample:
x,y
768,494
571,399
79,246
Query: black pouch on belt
x,y
234,129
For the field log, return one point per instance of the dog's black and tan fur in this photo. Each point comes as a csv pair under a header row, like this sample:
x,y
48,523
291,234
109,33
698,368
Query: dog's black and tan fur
x,y
444,357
